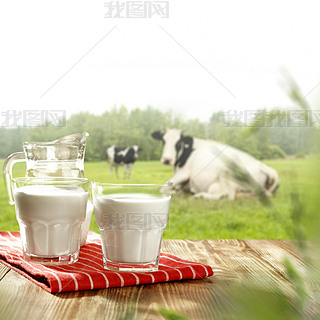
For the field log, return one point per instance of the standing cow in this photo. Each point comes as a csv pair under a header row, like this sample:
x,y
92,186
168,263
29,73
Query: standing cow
x,y
122,156
203,167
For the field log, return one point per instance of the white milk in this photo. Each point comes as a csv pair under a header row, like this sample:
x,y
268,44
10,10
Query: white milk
x,y
50,218
131,226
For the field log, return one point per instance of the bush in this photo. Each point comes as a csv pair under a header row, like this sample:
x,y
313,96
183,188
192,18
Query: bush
x,y
273,152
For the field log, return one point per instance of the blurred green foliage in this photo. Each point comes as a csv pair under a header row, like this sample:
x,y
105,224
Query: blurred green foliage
x,y
249,301
122,127
266,302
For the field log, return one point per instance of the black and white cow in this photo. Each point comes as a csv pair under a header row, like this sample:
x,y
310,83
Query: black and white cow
x,y
122,156
200,167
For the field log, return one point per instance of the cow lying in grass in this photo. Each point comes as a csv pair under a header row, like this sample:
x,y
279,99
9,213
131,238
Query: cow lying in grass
x,y
212,170
122,156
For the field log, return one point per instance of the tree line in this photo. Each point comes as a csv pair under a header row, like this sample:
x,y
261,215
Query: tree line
x,y
122,127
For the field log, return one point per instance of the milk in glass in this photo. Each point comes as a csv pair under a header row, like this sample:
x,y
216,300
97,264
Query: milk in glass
x,y
131,226
50,218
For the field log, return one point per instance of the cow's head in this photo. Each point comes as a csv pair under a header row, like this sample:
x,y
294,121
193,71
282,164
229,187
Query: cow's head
x,y
136,150
176,147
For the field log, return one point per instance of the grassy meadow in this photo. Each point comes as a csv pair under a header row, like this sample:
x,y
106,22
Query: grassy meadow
x,y
197,218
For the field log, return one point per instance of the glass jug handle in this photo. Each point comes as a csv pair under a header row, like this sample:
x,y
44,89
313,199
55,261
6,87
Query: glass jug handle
x,y
7,172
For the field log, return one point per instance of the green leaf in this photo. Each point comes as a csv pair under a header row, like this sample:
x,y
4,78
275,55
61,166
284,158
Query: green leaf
x,y
170,314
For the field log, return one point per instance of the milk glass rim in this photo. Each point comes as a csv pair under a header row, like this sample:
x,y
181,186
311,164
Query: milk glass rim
x,y
50,179
128,185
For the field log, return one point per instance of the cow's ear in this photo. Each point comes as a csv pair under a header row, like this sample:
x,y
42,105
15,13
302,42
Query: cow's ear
x,y
157,135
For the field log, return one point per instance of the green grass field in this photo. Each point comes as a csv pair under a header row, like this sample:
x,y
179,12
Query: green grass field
x,y
200,219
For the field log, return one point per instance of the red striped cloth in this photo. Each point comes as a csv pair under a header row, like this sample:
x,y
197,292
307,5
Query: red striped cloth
x,y
88,273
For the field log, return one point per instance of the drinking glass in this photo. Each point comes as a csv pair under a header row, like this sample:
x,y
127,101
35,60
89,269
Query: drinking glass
x,y
50,212
131,219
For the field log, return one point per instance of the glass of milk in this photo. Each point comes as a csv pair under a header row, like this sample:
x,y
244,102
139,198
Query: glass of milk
x,y
50,212
131,219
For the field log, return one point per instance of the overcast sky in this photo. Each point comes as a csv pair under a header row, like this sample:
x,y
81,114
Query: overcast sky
x,y
206,56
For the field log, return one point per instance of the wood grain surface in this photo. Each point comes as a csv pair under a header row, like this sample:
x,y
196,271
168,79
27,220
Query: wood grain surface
x,y
234,262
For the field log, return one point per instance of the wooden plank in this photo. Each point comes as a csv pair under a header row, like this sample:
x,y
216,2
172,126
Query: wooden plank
x,y
245,263
274,252
260,263
21,299
190,297
234,261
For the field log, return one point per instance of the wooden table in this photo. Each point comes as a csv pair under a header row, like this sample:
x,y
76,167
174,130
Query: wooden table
x,y
234,261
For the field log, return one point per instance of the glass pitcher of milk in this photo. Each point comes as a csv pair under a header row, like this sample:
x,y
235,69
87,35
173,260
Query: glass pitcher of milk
x,y
63,157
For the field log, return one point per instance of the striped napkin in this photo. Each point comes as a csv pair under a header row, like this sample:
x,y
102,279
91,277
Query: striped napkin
x,y
88,273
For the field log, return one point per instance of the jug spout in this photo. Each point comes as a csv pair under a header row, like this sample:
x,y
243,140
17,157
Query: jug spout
x,y
75,139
